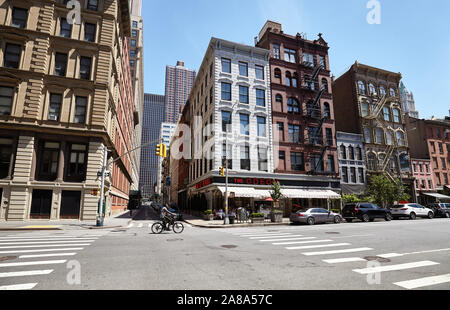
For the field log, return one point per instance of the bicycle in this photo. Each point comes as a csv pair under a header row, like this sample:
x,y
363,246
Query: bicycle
x,y
159,227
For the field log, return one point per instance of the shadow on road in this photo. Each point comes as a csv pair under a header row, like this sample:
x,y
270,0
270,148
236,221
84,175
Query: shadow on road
x,y
145,213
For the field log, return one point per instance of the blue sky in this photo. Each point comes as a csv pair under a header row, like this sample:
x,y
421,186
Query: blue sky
x,y
413,37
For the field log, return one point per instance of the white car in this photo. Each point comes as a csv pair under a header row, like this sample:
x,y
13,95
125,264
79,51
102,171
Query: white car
x,y
411,210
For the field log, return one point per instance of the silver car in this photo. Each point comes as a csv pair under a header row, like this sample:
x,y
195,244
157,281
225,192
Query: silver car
x,y
315,215
411,210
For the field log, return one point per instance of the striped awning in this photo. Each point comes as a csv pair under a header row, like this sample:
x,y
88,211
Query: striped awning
x,y
313,194
247,192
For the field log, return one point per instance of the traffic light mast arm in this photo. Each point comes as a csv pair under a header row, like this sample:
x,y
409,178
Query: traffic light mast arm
x,y
133,150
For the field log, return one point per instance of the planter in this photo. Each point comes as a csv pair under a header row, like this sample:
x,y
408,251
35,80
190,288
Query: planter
x,y
276,217
257,220
231,219
208,217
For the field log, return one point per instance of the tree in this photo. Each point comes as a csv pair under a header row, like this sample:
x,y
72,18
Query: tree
x,y
350,198
384,192
276,191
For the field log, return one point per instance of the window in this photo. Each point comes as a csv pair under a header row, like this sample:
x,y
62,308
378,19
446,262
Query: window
x,y
5,156
294,133
243,94
343,152
60,64
134,33
358,153
295,80
261,126
361,87
280,127
48,167
372,89
361,175
389,137
433,147
323,62
326,110
277,74
289,55
367,135
438,133
11,59
77,162
226,155
276,51
364,109
330,163
80,110
243,68
135,24
54,109
316,163
351,153
279,100
259,72
19,17
65,29
379,135
400,138
345,174
92,5
353,174
445,178
90,32
85,68
6,100
443,164
324,85
133,43
226,120
430,184
441,148
245,157
382,91
386,114
260,97
132,53
293,106
396,113
297,162
308,59
132,63
226,91
244,121
282,155
371,162
262,158
288,79
329,136
314,135
438,178
392,92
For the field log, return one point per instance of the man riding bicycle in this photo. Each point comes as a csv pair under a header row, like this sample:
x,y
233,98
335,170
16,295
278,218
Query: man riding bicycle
x,y
167,217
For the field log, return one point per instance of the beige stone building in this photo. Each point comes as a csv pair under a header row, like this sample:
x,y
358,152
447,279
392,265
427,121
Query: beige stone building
x,y
61,99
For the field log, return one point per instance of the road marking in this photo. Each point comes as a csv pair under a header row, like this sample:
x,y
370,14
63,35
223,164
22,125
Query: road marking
x,y
422,282
344,260
45,242
46,255
140,225
303,242
277,236
40,251
131,225
48,262
25,273
42,246
266,235
389,255
288,239
51,236
352,236
150,225
395,267
317,246
18,287
337,251
46,239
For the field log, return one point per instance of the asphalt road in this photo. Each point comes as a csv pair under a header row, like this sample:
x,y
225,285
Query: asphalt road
x,y
395,255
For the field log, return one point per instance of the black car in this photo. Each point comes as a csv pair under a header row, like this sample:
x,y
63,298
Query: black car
x,y
366,212
440,209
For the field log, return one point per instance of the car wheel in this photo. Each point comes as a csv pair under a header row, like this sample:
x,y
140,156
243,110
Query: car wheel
x,y
388,217
365,218
311,221
349,220
430,215
337,219
412,216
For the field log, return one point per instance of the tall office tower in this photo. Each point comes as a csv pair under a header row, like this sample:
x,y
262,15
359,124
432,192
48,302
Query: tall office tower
x,y
65,94
179,81
154,111
408,103
136,55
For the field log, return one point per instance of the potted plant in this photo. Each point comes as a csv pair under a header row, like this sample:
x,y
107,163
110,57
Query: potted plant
x,y
208,215
257,217
276,215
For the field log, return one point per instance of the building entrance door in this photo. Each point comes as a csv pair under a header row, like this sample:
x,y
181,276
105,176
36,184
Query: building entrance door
x,y
41,204
70,205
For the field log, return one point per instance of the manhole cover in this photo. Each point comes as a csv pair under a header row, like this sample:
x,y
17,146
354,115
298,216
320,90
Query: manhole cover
x,y
171,240
229,246
333,233
377,259
4,258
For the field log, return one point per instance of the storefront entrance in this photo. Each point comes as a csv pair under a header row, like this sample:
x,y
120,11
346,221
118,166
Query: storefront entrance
x,y
70,205
41,204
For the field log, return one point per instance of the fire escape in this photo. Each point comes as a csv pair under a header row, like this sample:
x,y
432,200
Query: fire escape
x,y
314,112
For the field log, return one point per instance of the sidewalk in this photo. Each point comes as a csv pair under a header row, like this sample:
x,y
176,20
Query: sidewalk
x,y
120,220
198,222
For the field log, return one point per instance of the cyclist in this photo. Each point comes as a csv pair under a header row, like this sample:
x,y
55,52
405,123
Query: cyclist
x,y
167,216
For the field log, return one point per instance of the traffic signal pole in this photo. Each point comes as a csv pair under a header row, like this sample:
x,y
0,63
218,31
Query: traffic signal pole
x,y
226,220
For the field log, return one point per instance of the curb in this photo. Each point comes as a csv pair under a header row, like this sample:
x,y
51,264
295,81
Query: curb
x,y
237,225
30,228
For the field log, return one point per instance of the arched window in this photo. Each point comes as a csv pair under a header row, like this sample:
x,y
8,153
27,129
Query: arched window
x,y
295,80
382,91
279,101
389,137
364,109
358,153
400,138
351,153
372,89
288,79
396,113
392,92
371,162
326,110
325,85
308,83
361,87
387,114
277,74
392,164
343,152
367,135
379,135
293,106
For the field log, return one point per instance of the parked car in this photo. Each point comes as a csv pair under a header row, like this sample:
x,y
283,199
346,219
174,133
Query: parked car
x,y
312,216
440,209
365,212
411,210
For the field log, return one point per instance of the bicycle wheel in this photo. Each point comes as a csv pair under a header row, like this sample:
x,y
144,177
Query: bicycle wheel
x,y
178,228
157,228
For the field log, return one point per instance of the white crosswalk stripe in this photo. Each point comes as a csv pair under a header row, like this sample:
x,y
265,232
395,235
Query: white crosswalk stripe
x,y
337,251
377,269
17,287
287,239
423,282
303,242
25,273
317,246
344,260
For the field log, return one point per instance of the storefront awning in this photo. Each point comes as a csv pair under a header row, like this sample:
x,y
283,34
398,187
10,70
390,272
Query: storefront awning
x,y
436,195
247,192
315,194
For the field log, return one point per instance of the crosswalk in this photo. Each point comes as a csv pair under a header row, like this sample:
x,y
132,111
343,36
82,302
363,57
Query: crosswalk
x,y
345,254
148,224
34,254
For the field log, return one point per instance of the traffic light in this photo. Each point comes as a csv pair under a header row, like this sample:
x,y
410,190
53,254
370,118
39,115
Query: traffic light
x,y
163,150
222,171
158,150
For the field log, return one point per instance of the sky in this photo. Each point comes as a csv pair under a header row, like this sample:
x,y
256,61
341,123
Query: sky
x,y
413,37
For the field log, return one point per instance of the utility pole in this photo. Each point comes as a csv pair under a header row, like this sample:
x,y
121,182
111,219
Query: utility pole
x,y
226,220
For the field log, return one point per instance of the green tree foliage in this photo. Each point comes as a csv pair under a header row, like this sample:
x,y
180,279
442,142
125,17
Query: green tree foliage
x,y
384,192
